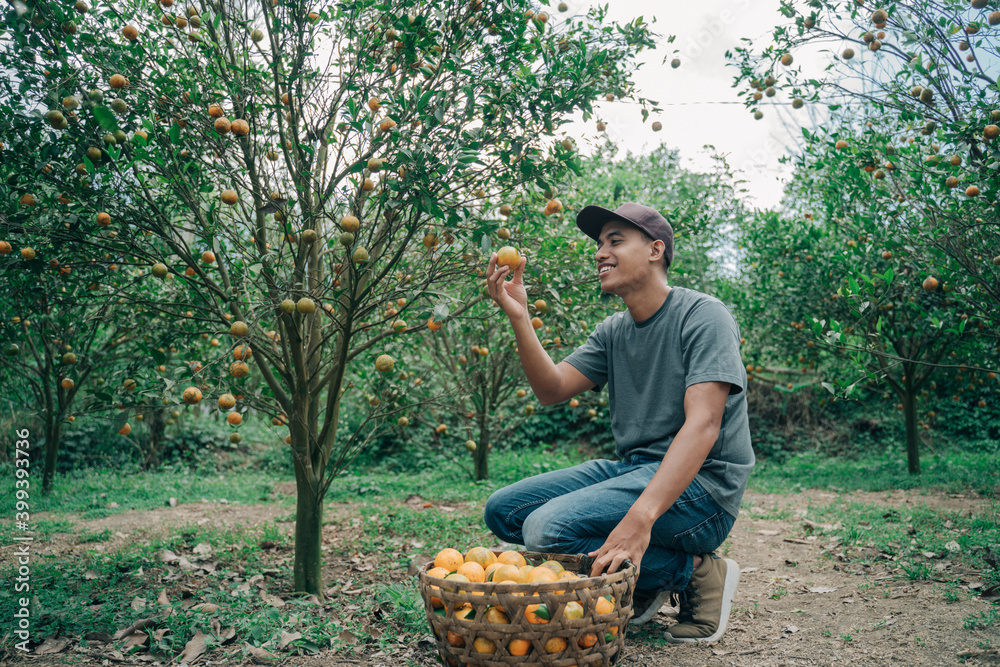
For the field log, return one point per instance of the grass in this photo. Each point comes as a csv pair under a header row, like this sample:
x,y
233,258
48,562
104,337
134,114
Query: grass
x,y
95,591
948,472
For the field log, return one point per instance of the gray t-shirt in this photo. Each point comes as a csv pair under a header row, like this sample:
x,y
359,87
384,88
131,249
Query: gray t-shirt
x,y
647,366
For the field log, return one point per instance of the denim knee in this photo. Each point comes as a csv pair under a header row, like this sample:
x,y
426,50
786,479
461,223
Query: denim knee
x,y
493,515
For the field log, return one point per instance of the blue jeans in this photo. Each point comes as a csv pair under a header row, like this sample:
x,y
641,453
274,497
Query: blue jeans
x,y
574,510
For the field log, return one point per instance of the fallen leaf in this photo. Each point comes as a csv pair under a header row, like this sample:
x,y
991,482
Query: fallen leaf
x,y
138,603
288,637
769,533
348,636
202,548
790,629
171,502
272,600
195,647
51,645
135,639
90,575
953,546
168,556
206,607
822,589
261,656
98,637
162,598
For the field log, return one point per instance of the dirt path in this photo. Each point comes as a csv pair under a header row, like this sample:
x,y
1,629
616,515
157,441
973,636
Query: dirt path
x,y
800,602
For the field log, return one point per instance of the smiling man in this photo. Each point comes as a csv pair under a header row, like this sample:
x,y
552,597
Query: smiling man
x,y
676,384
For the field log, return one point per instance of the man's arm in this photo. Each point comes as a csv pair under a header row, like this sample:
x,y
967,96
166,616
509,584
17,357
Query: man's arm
x,y
704,405
551,383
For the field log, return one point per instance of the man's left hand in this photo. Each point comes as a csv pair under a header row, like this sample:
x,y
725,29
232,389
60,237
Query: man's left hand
x,y
628,541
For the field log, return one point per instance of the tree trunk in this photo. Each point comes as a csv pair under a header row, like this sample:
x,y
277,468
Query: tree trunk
x,y
53,431
308,532
483,451
910,417
157,419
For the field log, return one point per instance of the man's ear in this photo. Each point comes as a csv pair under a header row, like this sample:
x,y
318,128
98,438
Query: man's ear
x,y
656,254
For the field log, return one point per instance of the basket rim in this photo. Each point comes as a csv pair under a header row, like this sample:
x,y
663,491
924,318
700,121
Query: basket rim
x,y
553,586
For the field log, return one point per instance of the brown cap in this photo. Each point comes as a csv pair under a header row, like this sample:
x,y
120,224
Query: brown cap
x,y
591,221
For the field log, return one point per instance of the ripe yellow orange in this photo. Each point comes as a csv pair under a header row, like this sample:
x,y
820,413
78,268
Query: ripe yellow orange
x,y
553,565
604,606
573,403
573,611
519,646
227,402
192,396
374,104
484,645
215,110
208,257
536,323
103,219
129,384
5,248
432,325
234,418
930,283
480,555
125,430
496,615
512,557
541,575
474,571
240,127
349,223
587,640
972,191
67,383
491,568
507,572
508,256
222,125
239,329
229,197
117,81
239,369
28,199
449,559
553,206
27,253
130,32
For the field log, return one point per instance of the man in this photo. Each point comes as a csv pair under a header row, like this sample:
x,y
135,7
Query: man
x,y
676,383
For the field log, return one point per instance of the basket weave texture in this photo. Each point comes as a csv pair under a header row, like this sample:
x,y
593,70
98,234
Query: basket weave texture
x,y
591,640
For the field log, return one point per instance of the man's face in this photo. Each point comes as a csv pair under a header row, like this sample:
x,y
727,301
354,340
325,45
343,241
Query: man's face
x,y
623,258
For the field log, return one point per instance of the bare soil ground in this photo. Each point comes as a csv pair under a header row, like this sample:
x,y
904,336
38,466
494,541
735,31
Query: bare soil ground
x,y
802,600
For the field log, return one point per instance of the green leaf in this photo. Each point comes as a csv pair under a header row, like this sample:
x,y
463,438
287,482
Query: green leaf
x,y
106,118
175,134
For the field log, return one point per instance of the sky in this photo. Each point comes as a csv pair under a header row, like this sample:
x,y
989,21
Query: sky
x,y
699,104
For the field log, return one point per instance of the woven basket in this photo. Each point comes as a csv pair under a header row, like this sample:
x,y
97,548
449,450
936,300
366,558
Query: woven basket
x,y
591,640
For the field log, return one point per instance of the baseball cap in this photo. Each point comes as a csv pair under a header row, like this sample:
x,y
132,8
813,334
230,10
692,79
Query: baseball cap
x,y
593,218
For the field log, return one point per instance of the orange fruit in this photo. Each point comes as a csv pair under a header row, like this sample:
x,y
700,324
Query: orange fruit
x,y
508,256
466,613
553,565
496,615
125,430
450,559
518,646
234,418
484,645
192,395
474,571
587,640
573,611
440,573
507,572
566,574
491,568
512,557
481,555
541,575
604,606
456,639
555,645
537,613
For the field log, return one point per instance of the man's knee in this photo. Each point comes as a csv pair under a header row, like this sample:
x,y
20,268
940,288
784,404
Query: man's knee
x,y
495,514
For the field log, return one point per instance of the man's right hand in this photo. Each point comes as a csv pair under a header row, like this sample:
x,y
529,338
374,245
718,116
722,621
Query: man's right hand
x,y
510,295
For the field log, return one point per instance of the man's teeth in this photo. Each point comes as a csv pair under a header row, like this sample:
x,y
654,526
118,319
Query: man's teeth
x,y
605,269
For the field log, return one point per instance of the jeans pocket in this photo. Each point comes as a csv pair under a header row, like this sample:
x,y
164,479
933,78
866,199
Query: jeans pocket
x,y
705,537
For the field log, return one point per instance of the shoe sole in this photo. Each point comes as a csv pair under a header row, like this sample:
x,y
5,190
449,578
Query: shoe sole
x,y
728,591
660,599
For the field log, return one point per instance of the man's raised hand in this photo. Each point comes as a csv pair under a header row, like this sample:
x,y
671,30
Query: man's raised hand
x,y
510,295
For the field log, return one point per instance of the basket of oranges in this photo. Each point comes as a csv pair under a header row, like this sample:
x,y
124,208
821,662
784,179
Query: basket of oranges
x,y
491,609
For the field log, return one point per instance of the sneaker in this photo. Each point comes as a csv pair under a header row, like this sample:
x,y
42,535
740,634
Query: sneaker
x,y
705,605
644,607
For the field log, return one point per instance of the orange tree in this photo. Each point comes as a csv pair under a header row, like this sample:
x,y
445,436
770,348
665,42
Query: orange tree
x,y
281,164
903,169
482,387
